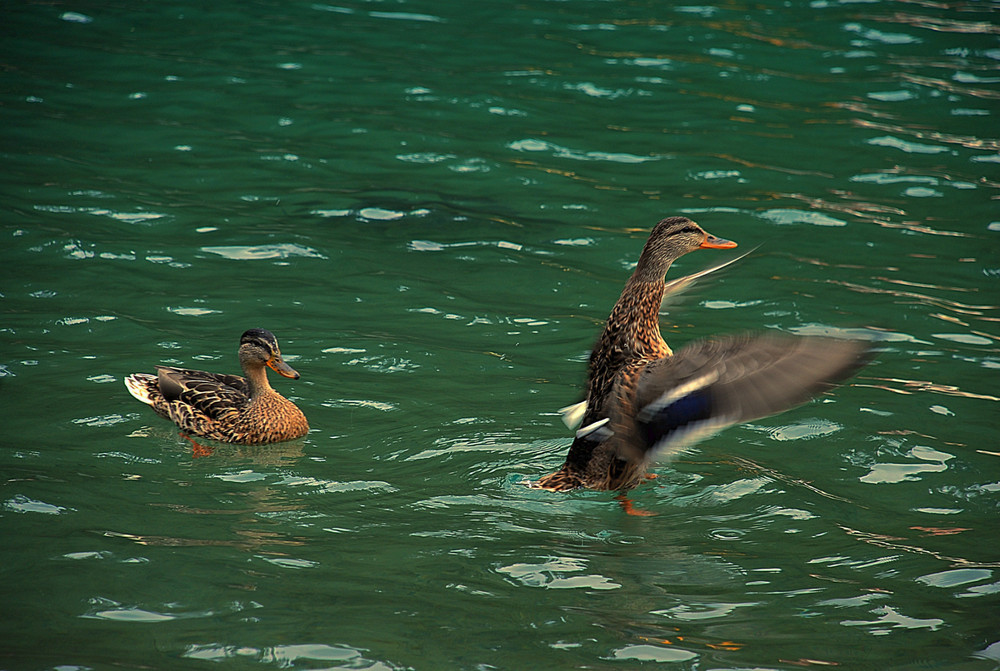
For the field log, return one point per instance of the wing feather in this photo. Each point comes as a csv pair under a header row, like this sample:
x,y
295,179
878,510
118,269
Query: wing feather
x,y
712,384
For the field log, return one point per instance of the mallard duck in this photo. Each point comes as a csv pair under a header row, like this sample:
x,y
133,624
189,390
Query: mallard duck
x,y
227,408
643,400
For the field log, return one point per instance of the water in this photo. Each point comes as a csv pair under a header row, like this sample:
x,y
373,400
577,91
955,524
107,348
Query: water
x,y
434,206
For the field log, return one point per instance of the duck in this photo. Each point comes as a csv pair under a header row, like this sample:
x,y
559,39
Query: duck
x,y
643,401
227,408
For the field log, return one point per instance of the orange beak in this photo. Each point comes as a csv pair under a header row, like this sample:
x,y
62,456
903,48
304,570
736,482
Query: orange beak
x,y
278,365
712,242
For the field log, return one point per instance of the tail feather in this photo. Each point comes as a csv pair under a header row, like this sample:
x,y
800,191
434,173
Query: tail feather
x,y
139,385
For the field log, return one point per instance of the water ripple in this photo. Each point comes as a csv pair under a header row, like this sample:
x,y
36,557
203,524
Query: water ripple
x,y
107,609
288,655
556,574
653,653
23,504
259,252
534,145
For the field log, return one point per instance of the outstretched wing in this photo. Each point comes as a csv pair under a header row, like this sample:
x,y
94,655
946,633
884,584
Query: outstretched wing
x,y
676,287
572,415
711,384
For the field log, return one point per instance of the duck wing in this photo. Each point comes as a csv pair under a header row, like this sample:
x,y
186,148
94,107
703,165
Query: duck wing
x,y
214,395
573,415
674,288
714,383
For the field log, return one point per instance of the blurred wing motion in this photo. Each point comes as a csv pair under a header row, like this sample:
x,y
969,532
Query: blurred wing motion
x,y
711,384
572,415
675,288
642,399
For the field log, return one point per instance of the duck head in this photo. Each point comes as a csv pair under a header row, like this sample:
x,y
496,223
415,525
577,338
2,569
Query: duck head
x,y
259,348
671,239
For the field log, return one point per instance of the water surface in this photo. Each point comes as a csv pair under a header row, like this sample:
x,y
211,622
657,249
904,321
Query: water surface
x,y
434,206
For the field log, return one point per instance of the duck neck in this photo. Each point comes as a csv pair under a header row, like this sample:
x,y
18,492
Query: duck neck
x,y
256,377
632,333
634,324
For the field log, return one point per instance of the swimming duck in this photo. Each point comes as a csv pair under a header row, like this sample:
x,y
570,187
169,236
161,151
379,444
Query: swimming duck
x,y
227,408
643,400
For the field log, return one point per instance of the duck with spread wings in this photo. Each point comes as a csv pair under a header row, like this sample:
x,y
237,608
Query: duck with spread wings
x,y
644,400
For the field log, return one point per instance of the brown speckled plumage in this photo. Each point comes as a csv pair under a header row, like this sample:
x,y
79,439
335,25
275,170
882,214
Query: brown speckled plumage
x,y
642,398
227,408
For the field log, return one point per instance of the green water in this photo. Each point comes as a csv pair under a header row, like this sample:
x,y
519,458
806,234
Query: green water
x,y
434,205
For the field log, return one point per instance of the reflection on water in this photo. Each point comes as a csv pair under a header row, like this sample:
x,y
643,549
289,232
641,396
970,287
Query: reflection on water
x,y
897,544
909,386
285,656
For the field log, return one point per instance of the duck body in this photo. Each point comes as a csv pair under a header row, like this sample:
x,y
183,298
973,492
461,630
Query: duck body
x,y
227,408
642,400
